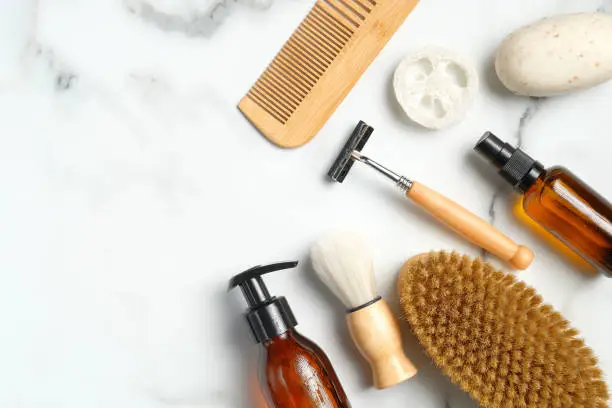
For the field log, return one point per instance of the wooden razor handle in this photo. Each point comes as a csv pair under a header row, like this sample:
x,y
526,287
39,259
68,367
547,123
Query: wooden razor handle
x,y
471,226
376,333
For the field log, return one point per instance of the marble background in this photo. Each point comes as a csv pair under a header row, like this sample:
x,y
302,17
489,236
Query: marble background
x,y
132,190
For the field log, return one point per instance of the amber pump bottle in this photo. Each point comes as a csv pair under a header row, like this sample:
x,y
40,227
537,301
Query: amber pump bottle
x,y
557,200
293,371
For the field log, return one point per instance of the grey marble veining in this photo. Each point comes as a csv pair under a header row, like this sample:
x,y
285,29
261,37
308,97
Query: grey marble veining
x,y
606,6
197,21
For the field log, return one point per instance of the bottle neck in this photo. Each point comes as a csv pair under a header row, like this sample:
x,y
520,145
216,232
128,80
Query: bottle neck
x,y
531,178
289,335
271,319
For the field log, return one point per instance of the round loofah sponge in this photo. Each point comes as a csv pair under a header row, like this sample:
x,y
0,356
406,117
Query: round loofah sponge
x,y
435,87
493,336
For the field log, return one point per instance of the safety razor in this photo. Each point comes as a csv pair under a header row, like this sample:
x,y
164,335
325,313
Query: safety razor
x,y
456,217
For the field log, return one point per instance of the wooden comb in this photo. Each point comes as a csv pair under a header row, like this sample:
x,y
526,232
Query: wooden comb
x,y
319,65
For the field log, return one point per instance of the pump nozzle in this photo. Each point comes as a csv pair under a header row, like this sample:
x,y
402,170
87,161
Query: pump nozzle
x,y
268,316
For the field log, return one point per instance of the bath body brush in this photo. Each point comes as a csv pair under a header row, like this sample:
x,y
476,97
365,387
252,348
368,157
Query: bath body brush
x,y
464,222
319,65
343,263
494,337
435,87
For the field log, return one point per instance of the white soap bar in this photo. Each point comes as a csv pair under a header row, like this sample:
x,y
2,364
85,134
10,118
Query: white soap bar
x,y
435,87
557,55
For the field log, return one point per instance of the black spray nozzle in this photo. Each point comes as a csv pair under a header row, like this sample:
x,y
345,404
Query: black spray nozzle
x,y
494,149
515,166
268,316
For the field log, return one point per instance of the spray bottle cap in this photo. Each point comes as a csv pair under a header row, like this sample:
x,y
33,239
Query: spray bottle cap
x,y
515,166
268,316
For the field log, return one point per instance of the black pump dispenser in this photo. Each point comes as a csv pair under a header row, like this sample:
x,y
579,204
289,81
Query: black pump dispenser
x,y
268,316
515,166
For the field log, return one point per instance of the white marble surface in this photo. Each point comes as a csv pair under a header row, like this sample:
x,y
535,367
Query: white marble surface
x,y
132,190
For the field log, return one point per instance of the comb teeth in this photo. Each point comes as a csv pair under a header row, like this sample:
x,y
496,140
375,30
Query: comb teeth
x,y
307,55
319,65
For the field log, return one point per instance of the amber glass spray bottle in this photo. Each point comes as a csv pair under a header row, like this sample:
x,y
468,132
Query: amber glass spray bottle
x,y
293,371
557,200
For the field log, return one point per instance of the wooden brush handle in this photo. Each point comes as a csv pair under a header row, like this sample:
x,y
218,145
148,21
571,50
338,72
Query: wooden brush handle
x,y
376,333
471,226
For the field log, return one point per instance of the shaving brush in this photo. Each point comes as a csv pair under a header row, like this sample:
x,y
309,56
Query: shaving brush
x,y
495,337
344,264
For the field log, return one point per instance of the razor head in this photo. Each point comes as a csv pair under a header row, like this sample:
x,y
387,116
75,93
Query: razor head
x,y
345,160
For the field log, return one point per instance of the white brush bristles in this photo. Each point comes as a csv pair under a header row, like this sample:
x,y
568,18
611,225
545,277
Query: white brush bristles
x,y
343,262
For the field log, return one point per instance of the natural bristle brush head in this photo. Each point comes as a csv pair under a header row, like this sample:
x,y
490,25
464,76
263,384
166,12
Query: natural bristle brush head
x,y
343,262
343,163
494,337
